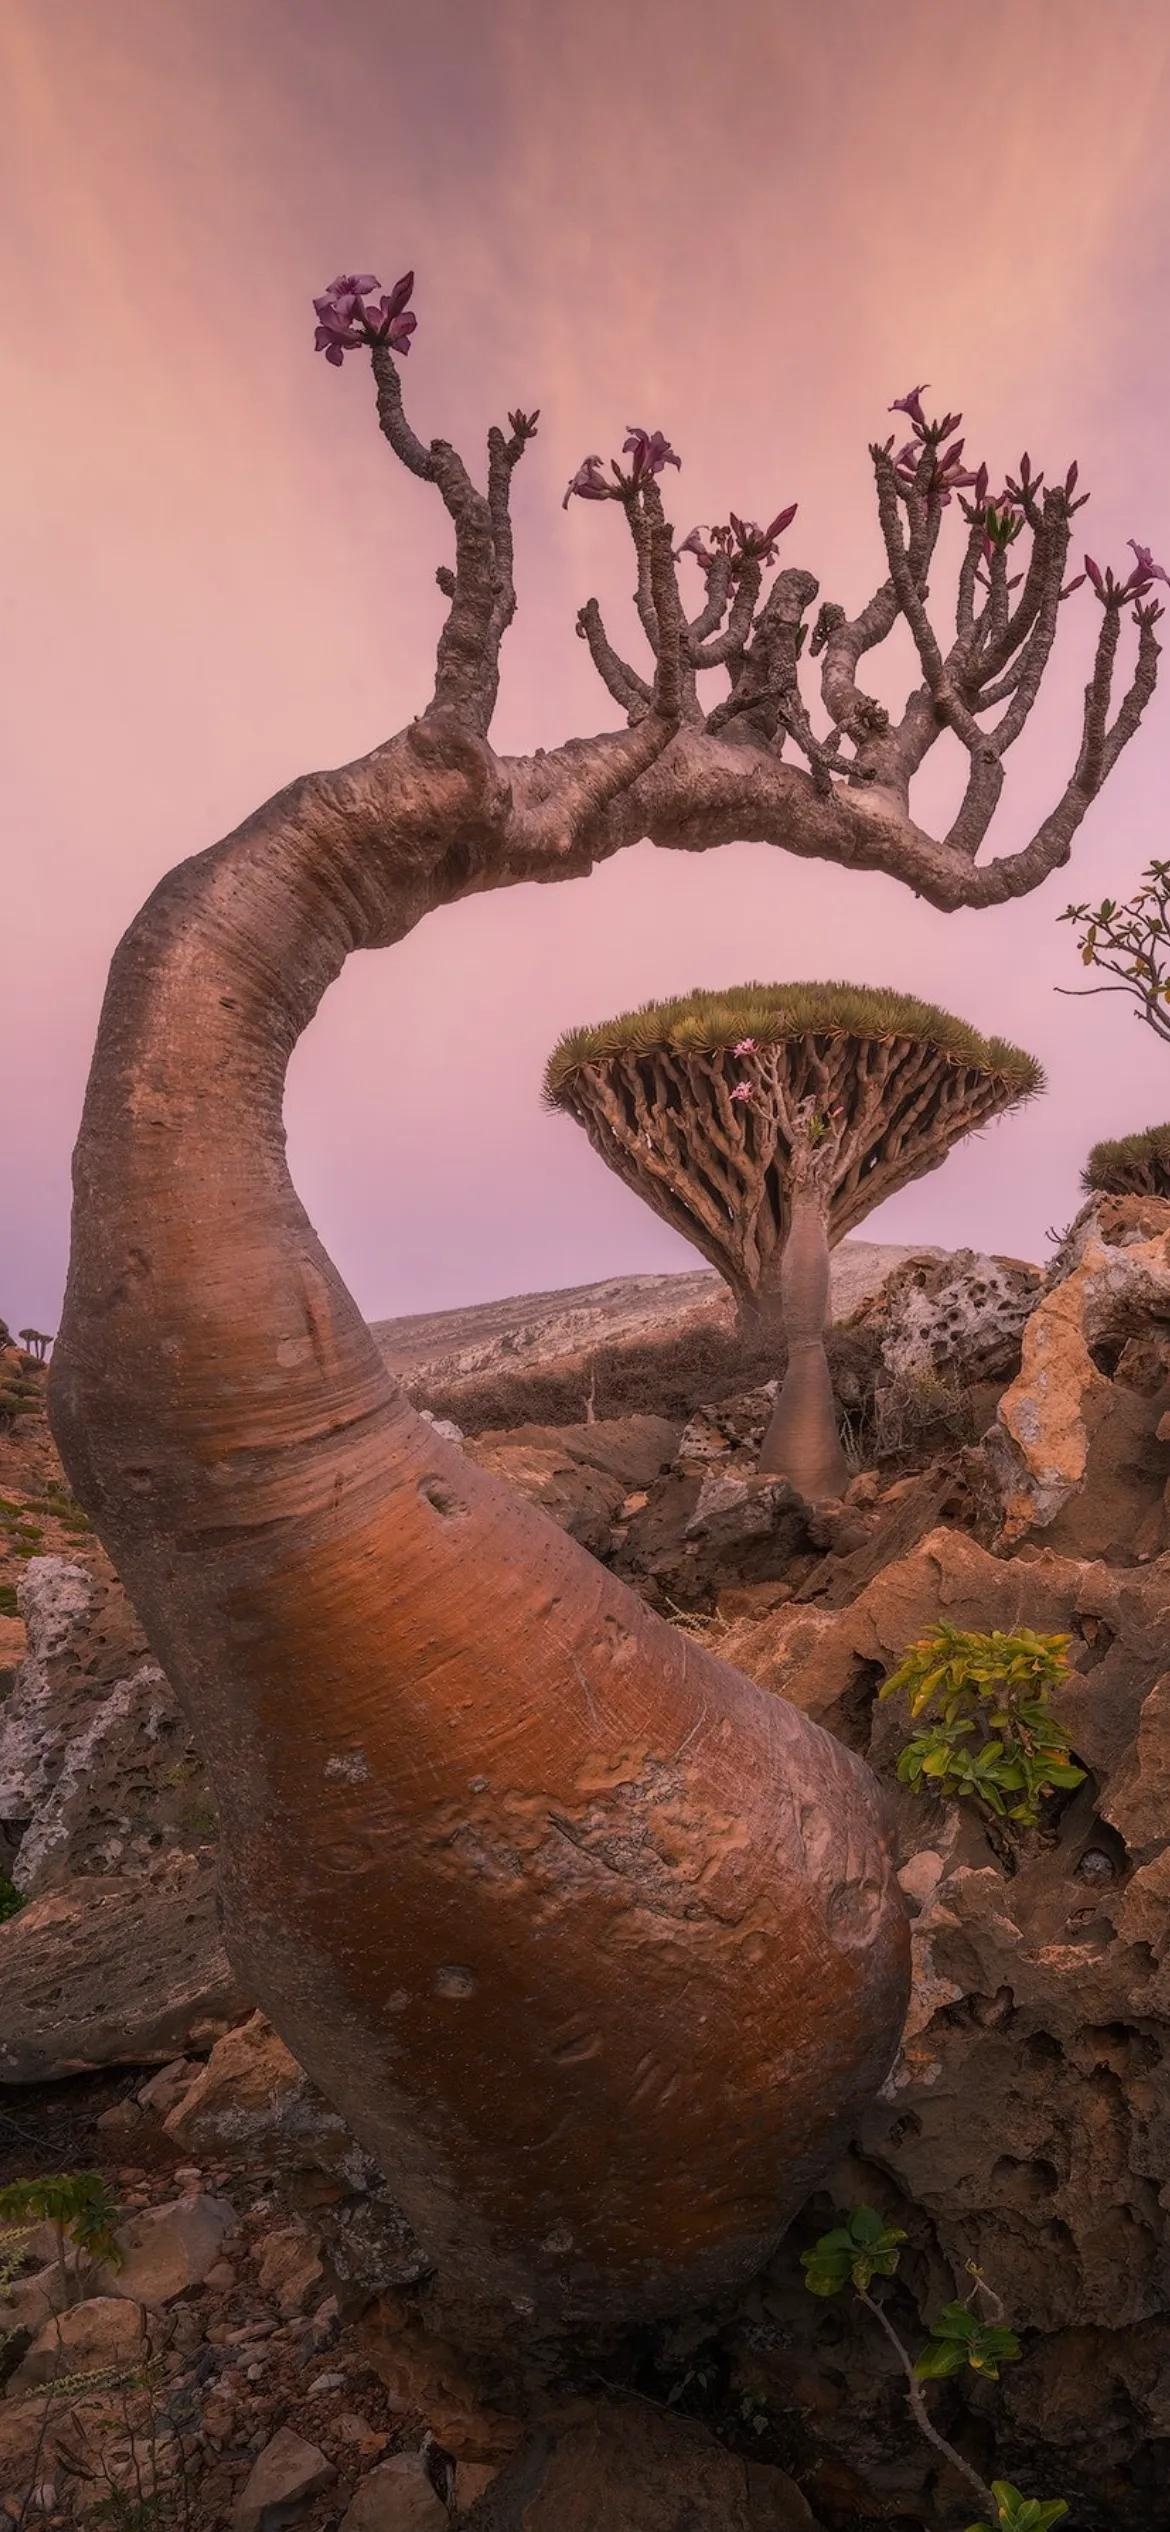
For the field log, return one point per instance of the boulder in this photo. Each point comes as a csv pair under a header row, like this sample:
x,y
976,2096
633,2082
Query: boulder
x,y
612,2465
283,2477
167,2250
965,1310
108,1970
107,2331
289,2269
398,2496
251,2098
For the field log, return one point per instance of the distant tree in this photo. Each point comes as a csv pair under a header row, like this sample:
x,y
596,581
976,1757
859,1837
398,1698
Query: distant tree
x,y
766,1122
35,1342
1135,1165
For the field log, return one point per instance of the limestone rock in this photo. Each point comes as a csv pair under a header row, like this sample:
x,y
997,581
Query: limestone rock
x,y
106,1970
966,1309
97,1769
106,2330
397,2497
167,2250
283,2477
252,2097
615,2465
289,2269
1064,1422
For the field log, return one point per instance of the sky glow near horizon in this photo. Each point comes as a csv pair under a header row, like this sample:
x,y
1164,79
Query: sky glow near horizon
x,y
749,225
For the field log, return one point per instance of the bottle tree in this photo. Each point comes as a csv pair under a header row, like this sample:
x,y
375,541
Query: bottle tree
x,y
596,1945
766,1122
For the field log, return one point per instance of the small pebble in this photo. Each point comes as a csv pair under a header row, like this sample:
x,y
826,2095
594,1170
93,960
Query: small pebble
x,y
325,2382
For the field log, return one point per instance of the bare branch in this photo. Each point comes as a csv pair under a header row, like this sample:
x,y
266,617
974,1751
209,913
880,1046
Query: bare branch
x,y
481,592
623,683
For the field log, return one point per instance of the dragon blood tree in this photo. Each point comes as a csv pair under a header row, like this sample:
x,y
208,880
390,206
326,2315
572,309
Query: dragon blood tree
x,y
596,1945
1136,1165
766,1122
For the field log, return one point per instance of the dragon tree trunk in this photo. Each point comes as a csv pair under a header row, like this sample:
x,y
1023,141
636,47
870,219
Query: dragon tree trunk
x,y
596,1945
802,1442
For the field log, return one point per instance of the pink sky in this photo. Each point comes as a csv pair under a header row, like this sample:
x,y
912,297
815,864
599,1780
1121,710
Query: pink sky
x,y
748,222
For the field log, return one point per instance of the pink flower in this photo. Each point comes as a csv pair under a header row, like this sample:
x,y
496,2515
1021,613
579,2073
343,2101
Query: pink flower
x,y
345,295
746,1046
693,544
345,322
392,322
742,1093
1147,570
335,335
587,484
650,452
912,404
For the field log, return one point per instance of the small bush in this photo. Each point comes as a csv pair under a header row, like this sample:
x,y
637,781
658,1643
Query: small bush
x,y
991,1736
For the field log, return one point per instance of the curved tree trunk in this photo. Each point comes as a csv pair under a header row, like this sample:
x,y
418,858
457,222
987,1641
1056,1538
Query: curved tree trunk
x,y
596,1945
802,1442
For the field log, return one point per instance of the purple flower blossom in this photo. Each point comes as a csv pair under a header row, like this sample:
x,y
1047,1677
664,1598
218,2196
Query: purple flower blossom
x,y
742,1093
345,321
745,1046
650,451
1146,572
693,544
391,321
1094,573
335,335
345,295
587,484
912,404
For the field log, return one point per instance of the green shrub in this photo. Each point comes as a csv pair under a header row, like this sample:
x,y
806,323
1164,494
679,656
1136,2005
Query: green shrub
x,y
11,1899
989,1735
863,2246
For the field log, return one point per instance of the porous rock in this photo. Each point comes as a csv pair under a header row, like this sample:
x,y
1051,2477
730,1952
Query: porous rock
x,y
98,1772
1074,1436
109,1970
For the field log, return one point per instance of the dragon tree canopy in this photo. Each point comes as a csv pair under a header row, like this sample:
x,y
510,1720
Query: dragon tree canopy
x,y
1134,1165
696,1101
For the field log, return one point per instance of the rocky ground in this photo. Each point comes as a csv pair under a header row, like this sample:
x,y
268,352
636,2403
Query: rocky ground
x,y
263,2347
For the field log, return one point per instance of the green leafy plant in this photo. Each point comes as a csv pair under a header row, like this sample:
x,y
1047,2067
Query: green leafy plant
x,y
8,1608
853,2254
959,2338
78,2205
861,2247
1021,2514
11,1899
989,1734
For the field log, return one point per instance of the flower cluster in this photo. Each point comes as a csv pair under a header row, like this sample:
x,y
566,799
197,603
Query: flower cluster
x,y
346,318
1113,592
946,472
649,452
742,541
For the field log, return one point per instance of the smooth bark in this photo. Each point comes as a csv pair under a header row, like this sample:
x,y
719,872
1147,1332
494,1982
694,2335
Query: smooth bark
x,y
802,1441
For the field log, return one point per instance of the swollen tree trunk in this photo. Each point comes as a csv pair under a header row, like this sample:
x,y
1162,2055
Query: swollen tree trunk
x,y
596,1945
802,1441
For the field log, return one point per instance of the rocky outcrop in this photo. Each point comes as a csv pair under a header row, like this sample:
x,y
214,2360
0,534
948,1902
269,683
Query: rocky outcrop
x,y
965,1310
1024,2124
114,1970
98,1773
1083,1432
